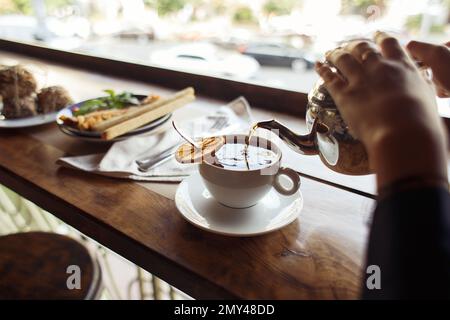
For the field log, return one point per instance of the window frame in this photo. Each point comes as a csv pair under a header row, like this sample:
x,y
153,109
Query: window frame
x,y
264,97
275,99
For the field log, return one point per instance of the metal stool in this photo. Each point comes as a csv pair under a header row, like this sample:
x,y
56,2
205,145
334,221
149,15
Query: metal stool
x,y
41,265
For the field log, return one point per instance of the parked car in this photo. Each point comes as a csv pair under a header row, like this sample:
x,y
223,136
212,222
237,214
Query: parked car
x,y
279,55
206,58
135,34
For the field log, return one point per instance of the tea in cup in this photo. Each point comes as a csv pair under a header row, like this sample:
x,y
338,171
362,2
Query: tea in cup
x,y
240,172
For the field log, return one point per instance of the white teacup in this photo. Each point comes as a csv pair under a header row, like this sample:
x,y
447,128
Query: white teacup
x,y
244,188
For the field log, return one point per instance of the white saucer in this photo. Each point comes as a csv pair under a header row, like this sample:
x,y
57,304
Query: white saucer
x,y
273,212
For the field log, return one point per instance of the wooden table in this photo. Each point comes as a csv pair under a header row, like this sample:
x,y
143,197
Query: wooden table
x,y
320,255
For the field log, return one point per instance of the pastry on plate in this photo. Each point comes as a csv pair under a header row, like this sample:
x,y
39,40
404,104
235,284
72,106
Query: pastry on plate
x,y
16,81
21,98
53,99
14,108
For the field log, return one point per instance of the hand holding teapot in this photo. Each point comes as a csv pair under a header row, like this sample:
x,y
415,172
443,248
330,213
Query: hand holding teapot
x,y
372,98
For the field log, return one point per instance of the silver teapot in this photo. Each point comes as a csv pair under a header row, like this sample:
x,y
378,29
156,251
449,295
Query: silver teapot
x,y
329,136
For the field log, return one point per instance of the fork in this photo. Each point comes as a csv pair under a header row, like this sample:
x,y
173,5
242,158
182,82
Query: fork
x,y
154,161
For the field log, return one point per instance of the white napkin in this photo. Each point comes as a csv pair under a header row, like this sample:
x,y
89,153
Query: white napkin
x,y
120,160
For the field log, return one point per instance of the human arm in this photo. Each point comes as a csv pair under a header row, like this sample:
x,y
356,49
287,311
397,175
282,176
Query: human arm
x,y
391,108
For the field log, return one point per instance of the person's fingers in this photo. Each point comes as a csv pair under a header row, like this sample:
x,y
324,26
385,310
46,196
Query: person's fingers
x,y
390,47
436,57
347,65
361,50
333,82
429,54
442,93
420,51
371,58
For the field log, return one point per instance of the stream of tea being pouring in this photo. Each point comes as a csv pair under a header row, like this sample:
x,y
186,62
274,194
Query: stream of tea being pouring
x,y
243,155
233,155
251,133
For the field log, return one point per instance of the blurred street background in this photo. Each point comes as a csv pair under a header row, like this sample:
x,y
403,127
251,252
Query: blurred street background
x,y
269,42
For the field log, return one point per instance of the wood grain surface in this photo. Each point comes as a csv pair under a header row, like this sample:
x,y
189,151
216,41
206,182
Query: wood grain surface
x,y
320,255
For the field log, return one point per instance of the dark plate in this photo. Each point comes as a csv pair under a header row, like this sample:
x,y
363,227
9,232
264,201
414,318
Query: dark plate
x,y
68,112
119,138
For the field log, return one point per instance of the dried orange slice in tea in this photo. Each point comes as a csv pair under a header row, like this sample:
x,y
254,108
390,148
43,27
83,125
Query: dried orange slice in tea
x,y
187,153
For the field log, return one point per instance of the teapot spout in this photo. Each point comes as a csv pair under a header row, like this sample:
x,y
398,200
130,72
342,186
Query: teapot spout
x,y
303,144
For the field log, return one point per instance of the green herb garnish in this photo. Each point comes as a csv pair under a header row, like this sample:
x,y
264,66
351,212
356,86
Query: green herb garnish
x,y
112,101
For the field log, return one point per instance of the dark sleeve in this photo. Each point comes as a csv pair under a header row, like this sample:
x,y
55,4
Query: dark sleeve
x,y
410,242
